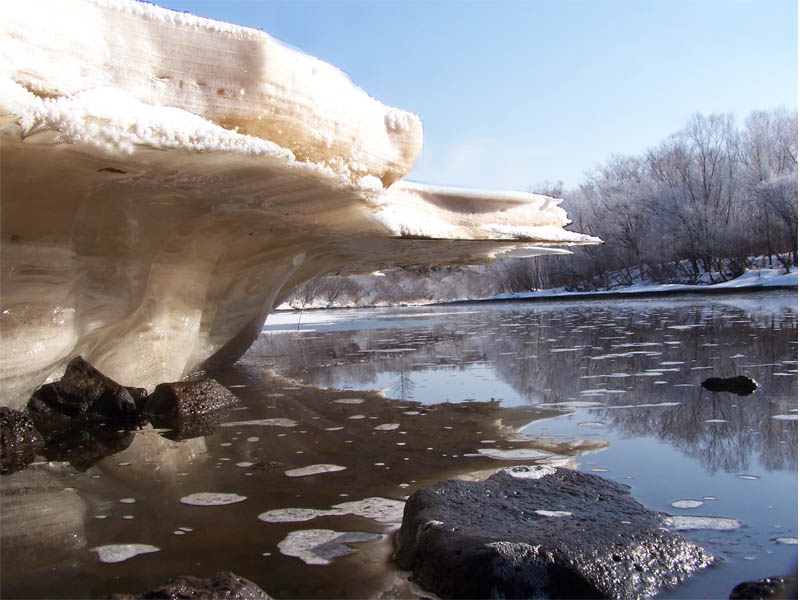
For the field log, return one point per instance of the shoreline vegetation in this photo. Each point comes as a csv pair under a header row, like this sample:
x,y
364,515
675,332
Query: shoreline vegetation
x,y
763,279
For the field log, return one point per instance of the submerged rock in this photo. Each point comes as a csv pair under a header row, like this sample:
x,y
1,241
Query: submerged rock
x,y
222,586
739,385
84,447
82,394
781,587
188,406
19,440
543,532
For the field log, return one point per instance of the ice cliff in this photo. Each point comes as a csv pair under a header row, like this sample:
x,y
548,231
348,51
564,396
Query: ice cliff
x,y
167,180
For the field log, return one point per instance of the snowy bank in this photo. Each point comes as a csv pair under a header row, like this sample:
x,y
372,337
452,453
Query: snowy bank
x,y
167,180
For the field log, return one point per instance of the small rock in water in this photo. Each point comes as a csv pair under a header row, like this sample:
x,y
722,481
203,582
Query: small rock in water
x,y
779,587
19,440
498,538
739,385
223,586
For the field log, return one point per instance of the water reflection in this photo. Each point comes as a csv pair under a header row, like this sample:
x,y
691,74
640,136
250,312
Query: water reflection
x,y
627,355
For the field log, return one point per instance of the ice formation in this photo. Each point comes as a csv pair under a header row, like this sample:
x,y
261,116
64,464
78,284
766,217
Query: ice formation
x,y
167,180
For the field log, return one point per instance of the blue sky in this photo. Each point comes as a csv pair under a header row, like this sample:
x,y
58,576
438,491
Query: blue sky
x,y
515,93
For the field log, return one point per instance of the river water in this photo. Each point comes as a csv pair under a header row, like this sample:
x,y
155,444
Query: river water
x,y
345,413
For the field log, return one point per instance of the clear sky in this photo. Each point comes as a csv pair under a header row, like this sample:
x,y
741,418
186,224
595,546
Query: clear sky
x,y
515,93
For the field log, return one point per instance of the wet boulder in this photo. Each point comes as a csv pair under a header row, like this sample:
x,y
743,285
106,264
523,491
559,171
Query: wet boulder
x,y
180,403
739,385
780,587
222,586
19,440
82,394
542,532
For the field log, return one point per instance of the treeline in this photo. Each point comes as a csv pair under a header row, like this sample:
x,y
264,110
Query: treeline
x,y
693,209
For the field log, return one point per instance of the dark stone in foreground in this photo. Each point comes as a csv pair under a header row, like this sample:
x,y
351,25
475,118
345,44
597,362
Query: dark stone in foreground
x,y
739,385
19,440
223,586
486,539
82,394
780,587
183,402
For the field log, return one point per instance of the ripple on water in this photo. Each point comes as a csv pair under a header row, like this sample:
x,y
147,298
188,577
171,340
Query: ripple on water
x,y
114,553
212,499
320,546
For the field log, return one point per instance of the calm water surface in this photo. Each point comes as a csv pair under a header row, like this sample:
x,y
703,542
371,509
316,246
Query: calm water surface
x,y
391,400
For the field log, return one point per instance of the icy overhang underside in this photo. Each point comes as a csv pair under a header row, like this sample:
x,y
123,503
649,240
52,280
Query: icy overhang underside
x,y
167,180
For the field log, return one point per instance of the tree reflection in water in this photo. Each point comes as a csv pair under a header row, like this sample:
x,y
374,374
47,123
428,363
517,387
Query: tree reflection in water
x,y
629,354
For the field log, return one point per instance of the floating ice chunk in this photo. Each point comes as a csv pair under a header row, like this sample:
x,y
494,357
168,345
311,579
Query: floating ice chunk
x,y
516,454
573,404
277,422
349,401
212,499
529,472
744,476
244,464
648,405
592,424
291,515
383,510
682,523
114,553
715,421
387,426
554,513
687,503
357,417
786,540
784,417
320,546
334,428
128,500
314,470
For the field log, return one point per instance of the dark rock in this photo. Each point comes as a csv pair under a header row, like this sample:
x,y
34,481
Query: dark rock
x,y
82,394
490,539
739,385
19,440
223,586
172,404
780,587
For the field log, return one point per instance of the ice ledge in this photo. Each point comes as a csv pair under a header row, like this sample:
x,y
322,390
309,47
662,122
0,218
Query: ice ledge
x,y
150,223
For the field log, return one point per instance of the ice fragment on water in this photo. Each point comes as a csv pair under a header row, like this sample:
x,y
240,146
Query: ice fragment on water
x,y
277,422
682,523
349,401
387,426
114,553
320,546
687,503
212,499
516,454
313,470
785,417
786,540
